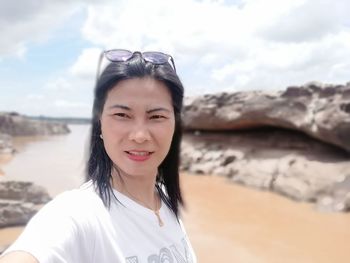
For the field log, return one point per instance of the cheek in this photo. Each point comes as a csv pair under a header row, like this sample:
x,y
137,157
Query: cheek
x,y
168,134
114,138
110,127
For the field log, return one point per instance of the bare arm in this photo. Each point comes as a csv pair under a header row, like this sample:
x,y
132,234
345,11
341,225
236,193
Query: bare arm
x,y
18,257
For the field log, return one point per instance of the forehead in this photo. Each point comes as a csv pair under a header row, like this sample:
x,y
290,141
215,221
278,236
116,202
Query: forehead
x,y
139,91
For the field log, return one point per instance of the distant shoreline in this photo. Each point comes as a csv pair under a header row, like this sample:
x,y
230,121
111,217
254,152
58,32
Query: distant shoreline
x,y
68,120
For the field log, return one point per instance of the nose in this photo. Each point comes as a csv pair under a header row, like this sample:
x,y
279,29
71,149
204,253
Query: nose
x,y
140,133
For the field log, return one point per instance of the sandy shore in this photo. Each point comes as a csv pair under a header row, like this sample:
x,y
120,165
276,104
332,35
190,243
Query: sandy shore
x,y
231,223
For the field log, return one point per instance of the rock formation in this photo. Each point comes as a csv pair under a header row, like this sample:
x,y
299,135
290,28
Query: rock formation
x,y
295,142
318,110
6,146
13,124
17,125
19,201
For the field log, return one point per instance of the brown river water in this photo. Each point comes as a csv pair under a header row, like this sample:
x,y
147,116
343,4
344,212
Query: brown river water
x,y
225,222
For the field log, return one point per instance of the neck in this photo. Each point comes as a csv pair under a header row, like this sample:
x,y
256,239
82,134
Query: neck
x,y
139,188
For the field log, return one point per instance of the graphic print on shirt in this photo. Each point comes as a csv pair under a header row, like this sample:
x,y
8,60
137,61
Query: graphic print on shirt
x,y
168,255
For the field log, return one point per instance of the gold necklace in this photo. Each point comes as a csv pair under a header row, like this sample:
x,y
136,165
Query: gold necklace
x,y
155,211
160,221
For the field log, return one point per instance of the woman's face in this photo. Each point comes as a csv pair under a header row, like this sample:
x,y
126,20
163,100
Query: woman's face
x,y
137,125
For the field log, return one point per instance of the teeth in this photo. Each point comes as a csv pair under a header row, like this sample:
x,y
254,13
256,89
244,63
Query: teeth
x,y
139,153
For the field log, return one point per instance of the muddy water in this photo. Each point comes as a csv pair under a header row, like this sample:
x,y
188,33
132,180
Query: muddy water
x,y
55,162
231,223
226,222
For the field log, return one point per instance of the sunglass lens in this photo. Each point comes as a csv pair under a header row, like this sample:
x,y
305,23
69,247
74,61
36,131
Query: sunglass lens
x,y
118,55
156,57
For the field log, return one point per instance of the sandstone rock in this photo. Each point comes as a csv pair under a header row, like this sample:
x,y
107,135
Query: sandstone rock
x,y
319,110
281,141
14,213
24,191
6,146
286,162
17,125
336,198
19,201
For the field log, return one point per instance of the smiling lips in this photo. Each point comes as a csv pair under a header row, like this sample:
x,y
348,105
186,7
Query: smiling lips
x,y
139,156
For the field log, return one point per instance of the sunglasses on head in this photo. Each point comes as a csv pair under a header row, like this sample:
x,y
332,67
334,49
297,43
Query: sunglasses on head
x,y
123,55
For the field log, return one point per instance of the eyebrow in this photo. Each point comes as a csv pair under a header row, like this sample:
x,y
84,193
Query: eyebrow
x,y
129,109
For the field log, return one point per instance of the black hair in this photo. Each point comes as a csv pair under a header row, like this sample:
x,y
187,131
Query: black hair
x,y
99,166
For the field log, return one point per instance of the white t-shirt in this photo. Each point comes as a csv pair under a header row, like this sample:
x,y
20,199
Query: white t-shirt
x,y
77,227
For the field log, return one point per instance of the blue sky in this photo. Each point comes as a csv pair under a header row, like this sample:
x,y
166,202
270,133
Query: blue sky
x,y
49,49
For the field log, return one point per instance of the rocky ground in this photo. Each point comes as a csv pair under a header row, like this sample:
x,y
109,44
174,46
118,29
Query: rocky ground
x,y
19,201
293,142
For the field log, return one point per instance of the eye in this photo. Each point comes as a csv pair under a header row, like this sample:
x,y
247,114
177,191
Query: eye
x,y
121,115
158,117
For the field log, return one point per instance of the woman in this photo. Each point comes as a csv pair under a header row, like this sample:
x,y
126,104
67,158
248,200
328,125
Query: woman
x,y
128,211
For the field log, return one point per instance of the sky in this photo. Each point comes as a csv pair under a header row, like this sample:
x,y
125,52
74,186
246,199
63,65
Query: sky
x,y
49,48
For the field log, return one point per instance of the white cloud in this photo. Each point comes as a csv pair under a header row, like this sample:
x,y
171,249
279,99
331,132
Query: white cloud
x,y
255,44
304,21
35,97
70,104
173,26
31,21
59,84
86,64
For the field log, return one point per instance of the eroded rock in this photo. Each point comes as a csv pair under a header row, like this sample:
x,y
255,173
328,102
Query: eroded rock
x,y
17,125
318,110
19,201
14,213
294,142
6,146
282,161
24,191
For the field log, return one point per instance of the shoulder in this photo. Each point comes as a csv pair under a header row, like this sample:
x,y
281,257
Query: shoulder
x,y
81,203
83,197
86,190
